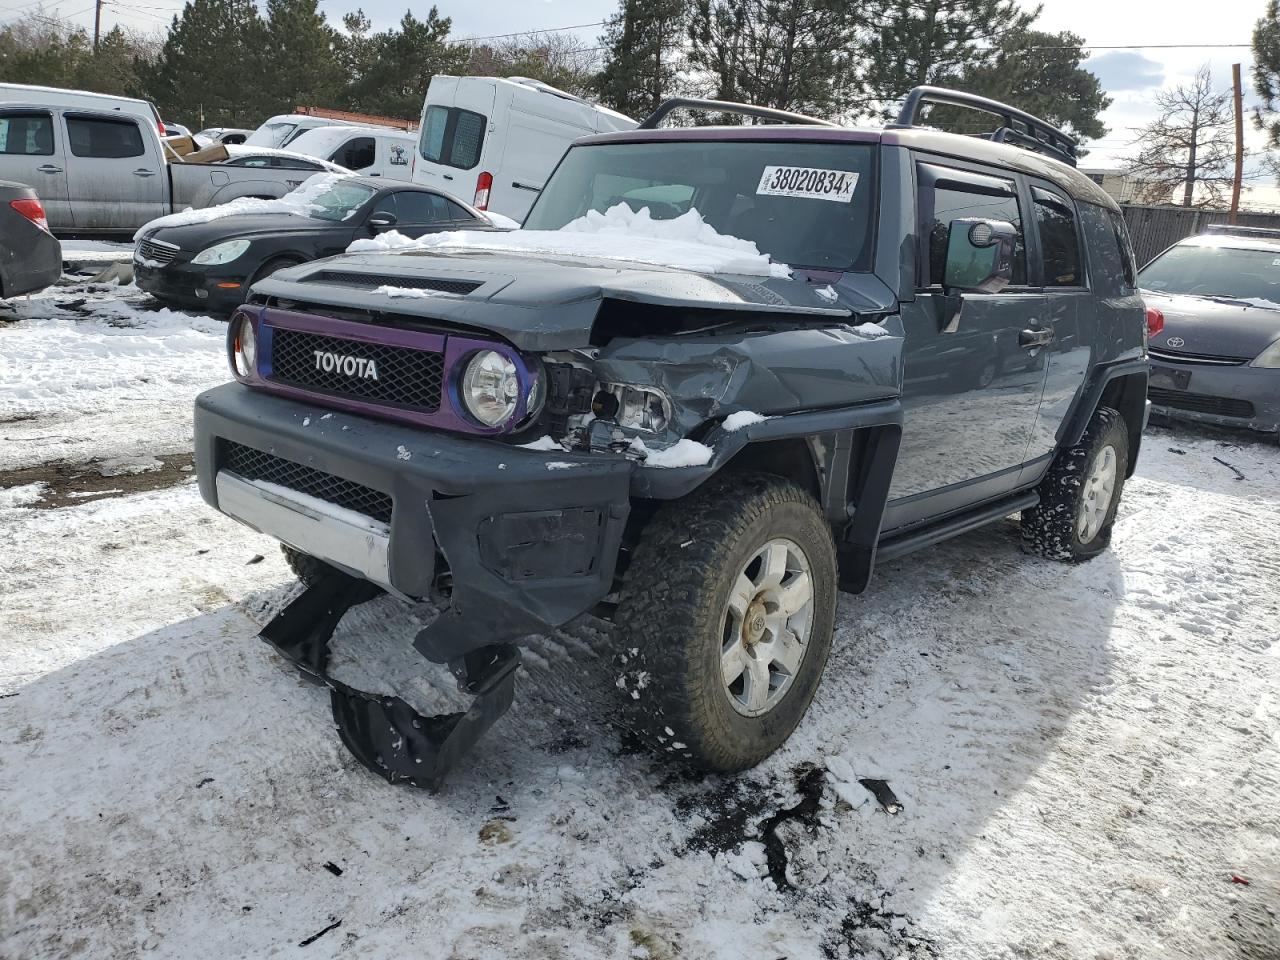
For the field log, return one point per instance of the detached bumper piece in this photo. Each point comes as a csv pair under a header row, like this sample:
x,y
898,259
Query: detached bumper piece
x,y
384,733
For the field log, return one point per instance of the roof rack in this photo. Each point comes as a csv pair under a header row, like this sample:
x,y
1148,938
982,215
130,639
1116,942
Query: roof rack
x,y
724,106
1017,126
1229,228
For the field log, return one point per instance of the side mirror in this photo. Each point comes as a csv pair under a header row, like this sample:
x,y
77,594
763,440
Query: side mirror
x,y
381,221
979,256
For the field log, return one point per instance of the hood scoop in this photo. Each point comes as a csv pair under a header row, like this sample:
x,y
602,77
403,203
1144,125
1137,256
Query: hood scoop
x,y
370,281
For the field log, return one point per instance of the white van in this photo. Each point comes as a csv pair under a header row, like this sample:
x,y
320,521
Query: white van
x,y
285,128
497,140
370,151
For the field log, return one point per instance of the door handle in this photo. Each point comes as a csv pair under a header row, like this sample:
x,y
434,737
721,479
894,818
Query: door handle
x,y
447,176
144,173
524,186
48,168
1035,338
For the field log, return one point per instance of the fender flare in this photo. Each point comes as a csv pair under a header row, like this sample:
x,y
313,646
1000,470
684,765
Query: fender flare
x,y
1091,399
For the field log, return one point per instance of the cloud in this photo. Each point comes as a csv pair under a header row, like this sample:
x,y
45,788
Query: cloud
x,y
1121,70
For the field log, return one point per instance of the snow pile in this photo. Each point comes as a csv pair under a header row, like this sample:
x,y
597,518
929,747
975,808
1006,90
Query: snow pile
x,y
544,442
21,496
687,242
871,330
410,292
498,220
685,453
743,418
128,466
298,202
1261,302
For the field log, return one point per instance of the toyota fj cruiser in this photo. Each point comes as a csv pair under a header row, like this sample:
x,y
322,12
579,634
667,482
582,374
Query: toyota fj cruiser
x,y
701,458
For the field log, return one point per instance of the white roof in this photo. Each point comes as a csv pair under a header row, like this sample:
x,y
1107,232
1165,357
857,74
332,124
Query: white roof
x,y
322,139
77,93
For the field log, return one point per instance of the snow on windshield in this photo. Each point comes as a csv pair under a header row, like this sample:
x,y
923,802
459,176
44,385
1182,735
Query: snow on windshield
x,y
687,242
302,202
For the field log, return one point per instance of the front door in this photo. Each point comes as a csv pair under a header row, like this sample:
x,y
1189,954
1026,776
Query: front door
x,y
31,153
972,384
116,177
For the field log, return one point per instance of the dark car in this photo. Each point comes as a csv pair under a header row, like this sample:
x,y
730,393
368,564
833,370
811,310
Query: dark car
x,y
718,375
30,257
211,265
1217,360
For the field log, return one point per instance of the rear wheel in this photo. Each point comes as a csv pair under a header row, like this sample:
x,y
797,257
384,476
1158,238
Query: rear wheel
x,y
724,622
1081,492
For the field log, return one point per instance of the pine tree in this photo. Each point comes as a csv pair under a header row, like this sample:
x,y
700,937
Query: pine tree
x,y
210,70
789,54
914,42
302,66
403,63
1266,71
643,54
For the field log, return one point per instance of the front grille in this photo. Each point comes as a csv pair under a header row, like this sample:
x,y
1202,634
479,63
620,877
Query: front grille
x,y
1168,356
255,465
157,252
368,281
1201,403
405,377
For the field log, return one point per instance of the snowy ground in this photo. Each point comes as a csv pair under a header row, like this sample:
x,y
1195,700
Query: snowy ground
x,y
1085,756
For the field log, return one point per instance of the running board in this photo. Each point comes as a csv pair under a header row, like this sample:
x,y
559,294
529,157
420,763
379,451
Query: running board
x,y
927,536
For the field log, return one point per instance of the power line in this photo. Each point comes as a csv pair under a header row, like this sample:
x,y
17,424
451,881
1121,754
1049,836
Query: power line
x,y
525,33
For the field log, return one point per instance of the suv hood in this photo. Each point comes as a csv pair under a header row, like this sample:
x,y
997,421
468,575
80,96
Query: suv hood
x,y
551,302
1213,328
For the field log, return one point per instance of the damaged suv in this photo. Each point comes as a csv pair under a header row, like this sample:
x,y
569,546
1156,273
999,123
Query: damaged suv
x,y
719,374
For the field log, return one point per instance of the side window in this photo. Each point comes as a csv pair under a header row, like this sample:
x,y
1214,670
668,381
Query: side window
x,y
355,154
452,136
421,207
26,134
1059,239
250,162
386,204
947,195
1126,250
104,139
294,163
458,213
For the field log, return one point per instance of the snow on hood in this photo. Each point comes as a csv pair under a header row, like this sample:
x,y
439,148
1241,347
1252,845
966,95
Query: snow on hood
x,y
686,242
297,202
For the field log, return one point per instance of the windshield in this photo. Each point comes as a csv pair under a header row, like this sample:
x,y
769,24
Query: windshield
x,y
803,204
1219,272
340,201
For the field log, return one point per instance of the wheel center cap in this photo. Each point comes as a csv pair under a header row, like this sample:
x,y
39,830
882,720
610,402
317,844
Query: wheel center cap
x,y
753,624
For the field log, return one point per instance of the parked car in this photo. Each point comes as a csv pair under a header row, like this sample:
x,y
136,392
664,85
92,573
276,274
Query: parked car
x,y
498,139
227,135
239,155
98,163
687,438
280,130
30,258
174,130
369,151
1217,359
211,265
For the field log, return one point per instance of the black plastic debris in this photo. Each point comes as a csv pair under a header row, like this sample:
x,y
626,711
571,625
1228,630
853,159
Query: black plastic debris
x,y
888,801
316,936
333,868
383,732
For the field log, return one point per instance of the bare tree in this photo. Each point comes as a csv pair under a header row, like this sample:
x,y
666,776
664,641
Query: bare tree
x,y
1190,145
560,59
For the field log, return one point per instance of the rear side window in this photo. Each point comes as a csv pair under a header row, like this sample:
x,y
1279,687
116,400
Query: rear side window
x,y
1126,251
104,139
947,195
452,136
413,206
1059,239
26,134
355,154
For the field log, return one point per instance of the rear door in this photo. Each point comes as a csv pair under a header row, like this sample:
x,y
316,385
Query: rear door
x,y
457,133
116,177
970,395
32,152
1069,312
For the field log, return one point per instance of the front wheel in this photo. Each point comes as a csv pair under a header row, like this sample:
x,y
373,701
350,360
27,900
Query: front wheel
x,y
1080,493
725,618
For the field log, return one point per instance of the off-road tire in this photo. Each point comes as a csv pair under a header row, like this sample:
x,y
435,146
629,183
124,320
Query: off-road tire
x,y
1051,527
305,567
670,614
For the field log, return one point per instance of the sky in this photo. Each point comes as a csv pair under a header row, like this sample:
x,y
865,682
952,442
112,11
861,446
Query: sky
x,y
1130,76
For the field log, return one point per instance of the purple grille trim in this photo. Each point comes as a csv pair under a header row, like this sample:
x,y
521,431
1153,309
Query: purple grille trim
x,y
456,349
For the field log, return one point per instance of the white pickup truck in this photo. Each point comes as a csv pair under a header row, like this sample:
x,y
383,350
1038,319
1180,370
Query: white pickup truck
x,y
98,162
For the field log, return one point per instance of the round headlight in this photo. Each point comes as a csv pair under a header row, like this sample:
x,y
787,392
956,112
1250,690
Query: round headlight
x,y
244,347
490,388
223,252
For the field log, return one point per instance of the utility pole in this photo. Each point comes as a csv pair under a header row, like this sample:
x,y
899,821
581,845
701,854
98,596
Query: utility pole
x,y
1235,186
97,23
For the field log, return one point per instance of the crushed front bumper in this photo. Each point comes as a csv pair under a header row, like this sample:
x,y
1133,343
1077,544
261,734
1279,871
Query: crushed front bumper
x,y
530,538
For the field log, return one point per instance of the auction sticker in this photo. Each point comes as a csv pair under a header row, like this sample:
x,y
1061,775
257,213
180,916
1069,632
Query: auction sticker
x,y
808,182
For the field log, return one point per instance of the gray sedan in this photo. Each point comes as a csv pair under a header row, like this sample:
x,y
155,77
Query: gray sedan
x,y
1217,360
30,258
